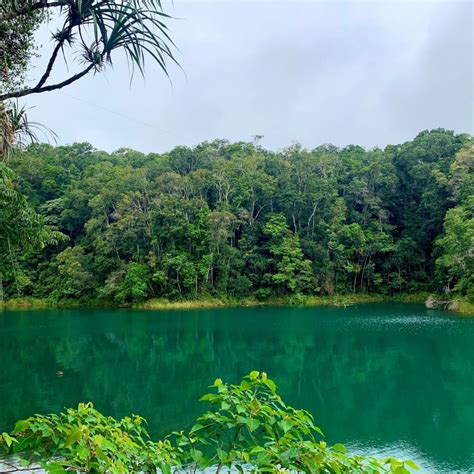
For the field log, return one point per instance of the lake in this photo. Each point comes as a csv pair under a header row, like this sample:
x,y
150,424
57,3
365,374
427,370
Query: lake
x,y
392,378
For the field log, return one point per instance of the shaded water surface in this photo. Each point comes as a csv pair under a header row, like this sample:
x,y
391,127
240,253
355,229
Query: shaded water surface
x,y
379,377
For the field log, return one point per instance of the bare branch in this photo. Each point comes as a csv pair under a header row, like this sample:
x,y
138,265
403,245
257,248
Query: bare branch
x,y
37,90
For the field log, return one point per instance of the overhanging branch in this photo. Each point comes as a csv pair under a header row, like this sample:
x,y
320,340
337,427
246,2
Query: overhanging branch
x,y
52,87
52,59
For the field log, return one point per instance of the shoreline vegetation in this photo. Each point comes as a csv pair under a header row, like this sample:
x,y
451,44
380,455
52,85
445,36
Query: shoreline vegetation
x,y
464,308
248,428
223,223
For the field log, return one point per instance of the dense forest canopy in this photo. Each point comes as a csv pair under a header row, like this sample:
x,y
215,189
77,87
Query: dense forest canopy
x,y
234,219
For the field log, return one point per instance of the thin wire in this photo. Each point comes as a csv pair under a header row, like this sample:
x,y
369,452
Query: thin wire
x,y
114,112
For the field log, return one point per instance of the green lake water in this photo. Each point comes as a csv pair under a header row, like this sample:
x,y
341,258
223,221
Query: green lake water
x,y
391,378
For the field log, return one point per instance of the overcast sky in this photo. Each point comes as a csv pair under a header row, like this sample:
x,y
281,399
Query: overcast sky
x,y
315,72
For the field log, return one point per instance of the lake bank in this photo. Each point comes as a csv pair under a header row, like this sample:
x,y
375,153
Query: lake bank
x,y
463,307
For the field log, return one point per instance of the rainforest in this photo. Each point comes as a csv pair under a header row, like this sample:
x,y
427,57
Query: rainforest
x,y
234,221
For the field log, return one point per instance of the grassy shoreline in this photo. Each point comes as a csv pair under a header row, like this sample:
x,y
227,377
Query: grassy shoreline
x,y
334,300
463,307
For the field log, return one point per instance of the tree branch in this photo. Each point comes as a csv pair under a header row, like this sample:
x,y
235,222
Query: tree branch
x,y
42,4
52,59
37,90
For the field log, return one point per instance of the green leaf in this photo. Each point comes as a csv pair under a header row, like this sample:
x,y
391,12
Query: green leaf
x,y
222,455
21,425
83,452
55,468
253,424
101,454
339,447
196,427
165,468
400,470
254,374
285,425
72,437
8,439
413,465
207,397
270,384
196,455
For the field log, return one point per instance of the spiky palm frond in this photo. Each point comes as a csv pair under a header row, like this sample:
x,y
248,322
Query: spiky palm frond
x,y
99,28
20,224
135,27
17,131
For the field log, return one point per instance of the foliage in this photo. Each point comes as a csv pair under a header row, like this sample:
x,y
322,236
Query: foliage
x,y
92,30
21,230
252,429
249,429
16,43
71,277
86,440
293,273
16,131
455,246
232,220
456,264
128,285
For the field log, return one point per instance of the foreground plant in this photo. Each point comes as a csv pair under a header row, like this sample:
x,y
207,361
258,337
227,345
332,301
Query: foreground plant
x,y
85,440
250,429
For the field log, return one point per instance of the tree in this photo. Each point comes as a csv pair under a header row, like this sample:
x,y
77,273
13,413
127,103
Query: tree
x,y
456,263
73,278
422,194
16,131
128,284
293,273
455,247
93,30
234,220
21,229
16,43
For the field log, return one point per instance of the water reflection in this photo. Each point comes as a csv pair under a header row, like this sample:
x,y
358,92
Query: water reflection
x,y
374,376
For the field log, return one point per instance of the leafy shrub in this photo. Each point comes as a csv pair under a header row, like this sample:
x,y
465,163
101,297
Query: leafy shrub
x,y
85,440
263,293
250,429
